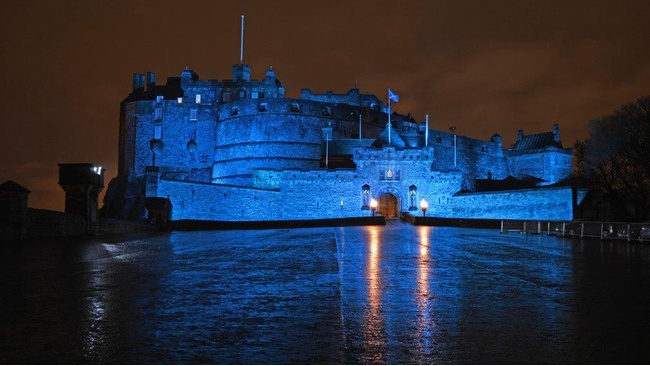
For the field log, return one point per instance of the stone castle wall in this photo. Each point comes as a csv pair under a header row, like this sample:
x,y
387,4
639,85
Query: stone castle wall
x,y
202,201
275,133
184,143
526,204
338,193
476,158
263,153
551,165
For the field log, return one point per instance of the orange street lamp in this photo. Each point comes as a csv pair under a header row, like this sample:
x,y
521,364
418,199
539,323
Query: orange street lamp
x,y
373,206
424,205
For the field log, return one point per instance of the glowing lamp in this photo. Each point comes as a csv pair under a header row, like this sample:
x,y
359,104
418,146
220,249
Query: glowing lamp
x,y
373,206
424,205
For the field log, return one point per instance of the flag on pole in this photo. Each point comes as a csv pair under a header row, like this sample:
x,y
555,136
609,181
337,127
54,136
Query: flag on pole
x,y
392,96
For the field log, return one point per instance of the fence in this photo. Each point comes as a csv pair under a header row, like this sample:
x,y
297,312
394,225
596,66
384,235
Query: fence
x,y
581,229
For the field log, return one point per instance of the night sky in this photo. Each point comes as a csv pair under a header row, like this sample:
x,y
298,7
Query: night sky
x,y
483,66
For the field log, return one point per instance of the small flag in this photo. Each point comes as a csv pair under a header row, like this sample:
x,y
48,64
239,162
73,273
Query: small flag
x,y
392,96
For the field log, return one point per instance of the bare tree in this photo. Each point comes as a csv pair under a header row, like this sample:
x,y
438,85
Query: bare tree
x,y
615,158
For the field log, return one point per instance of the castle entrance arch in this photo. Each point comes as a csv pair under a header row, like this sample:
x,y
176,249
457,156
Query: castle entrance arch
x,y
388,205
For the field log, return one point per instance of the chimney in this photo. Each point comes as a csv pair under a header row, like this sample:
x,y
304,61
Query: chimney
x,y
556,132
138,82
520,135
150,80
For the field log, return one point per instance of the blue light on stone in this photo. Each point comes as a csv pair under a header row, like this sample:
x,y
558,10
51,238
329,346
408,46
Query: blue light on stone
x,y
267,160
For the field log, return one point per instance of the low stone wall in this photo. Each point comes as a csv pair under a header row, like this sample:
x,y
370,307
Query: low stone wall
x,y
544,204
187,225
44,224
437,221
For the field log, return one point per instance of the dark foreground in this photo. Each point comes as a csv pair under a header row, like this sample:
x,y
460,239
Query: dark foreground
x,y
379,294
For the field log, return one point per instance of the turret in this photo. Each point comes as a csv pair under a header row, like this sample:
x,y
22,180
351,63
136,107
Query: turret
x,y
241,72
186,76
270,77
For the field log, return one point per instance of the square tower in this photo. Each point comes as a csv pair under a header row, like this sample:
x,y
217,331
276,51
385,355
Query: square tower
x,y
82,183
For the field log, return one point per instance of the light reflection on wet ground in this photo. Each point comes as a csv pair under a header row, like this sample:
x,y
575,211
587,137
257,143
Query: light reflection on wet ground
x,y
396,294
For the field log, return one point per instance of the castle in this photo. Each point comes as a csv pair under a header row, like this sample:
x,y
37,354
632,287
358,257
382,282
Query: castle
x,y
240,150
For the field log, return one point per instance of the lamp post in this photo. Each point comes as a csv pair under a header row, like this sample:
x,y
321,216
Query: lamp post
x,y
453,130
327,136
373,206
424,205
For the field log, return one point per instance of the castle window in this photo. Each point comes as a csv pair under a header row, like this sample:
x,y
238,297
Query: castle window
x,y
226,97
365,196
158,114
193,114
159,99
254,95
295,107
198,99
157,132
261,94
327,111
179,100
242,94
413,192
263,107
438,140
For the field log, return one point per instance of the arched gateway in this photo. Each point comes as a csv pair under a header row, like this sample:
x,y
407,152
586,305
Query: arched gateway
x,y
388,205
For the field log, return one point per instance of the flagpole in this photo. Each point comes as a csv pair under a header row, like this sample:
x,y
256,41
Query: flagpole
x,y
426,132
241,43
388,124
359,126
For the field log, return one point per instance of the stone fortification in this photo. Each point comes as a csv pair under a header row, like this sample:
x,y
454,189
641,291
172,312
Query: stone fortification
x,y
238,149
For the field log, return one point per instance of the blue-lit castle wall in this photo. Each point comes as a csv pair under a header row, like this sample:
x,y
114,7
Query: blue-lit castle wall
x,y
237,149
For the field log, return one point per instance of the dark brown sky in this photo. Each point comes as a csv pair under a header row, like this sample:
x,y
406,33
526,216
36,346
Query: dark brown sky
x,y
483,66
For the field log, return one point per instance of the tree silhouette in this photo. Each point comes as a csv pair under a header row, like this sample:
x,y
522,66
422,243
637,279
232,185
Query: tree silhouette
x,y
615,158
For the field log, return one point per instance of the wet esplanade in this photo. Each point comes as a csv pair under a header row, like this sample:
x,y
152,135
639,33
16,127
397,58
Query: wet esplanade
x,y
396,294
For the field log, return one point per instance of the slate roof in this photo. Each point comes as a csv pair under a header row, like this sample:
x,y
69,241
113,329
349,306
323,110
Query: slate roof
x,y
536,141
11,186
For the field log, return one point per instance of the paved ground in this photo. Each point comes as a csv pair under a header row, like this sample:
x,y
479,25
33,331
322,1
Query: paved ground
x,y
393,294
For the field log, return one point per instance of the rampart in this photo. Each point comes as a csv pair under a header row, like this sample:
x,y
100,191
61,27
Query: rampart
x,y
544,204
44,224
204,201
278,133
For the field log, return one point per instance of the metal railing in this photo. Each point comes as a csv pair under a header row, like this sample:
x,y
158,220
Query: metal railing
x,y
604,230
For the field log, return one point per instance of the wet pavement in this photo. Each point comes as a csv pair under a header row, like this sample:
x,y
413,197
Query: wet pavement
x,y
397,294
